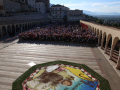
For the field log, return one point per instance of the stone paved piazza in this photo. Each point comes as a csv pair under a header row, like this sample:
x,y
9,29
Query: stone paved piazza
x,y
16,56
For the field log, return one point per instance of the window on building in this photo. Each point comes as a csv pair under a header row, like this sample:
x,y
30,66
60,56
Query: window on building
x,y
39,5
56,12
39,8
60,8
60,12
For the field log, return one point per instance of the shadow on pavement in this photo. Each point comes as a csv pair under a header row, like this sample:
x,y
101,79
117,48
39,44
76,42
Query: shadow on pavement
x,y
61,43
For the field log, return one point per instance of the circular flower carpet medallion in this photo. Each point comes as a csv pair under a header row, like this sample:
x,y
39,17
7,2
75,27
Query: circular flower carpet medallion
x,y
61,76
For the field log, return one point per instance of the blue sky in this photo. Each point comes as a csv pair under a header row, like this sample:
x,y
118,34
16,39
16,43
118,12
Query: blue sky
x,y
107,6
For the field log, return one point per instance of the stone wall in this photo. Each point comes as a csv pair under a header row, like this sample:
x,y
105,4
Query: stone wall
x,y
11,6
25,17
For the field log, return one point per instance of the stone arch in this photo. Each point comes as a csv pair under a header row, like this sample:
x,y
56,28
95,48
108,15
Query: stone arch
x,y
13,28
108,44
0,32
37,24
20,27
8,29
17,28
34,24
23,27
26,26
100,38
103,40
97,32
30,25
89,27
115,41
115,50
4,31
93,28
42,24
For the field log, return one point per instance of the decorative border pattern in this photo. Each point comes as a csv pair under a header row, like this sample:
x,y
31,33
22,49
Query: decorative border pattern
x,y
85,72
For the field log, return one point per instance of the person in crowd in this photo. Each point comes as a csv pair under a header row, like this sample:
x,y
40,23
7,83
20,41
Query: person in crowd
x,y
60,32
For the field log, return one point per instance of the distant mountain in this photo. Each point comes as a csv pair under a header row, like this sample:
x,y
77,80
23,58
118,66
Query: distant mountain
x,y
99,13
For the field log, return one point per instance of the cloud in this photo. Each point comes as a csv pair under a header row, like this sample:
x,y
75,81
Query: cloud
x,y
74,5
98,4
113,3
96,7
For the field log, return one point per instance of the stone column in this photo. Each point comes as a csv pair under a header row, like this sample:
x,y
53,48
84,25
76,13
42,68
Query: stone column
x,y
106,46
15,29
102,43
98,40
6,30
111,51
21,29
37,24
1,33
26,27
118,62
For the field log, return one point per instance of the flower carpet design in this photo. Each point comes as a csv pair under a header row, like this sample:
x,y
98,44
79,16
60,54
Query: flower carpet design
x,y
61,75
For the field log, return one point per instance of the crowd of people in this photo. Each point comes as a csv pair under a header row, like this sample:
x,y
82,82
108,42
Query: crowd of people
x,y
60,32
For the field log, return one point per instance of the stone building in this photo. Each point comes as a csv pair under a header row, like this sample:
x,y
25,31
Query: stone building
x,y
40,5
58,13
47,5
74,15
9,6
22,23
1,8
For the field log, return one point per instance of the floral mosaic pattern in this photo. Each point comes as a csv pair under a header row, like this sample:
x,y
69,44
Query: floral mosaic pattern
x,y
60,77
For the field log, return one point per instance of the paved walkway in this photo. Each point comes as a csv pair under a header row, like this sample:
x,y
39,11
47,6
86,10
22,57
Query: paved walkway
x,y
16,57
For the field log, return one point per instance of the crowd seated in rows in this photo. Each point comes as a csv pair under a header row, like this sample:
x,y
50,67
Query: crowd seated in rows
x,y
56,32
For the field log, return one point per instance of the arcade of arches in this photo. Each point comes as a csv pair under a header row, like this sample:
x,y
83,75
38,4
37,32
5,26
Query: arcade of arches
x,y
20,27
108,40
